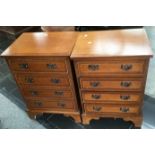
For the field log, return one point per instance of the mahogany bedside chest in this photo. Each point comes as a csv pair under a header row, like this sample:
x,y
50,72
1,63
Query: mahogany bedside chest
x,y
111,69
40,63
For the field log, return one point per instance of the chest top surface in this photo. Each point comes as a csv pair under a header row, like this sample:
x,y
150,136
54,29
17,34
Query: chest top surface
x,y
42,44
131,42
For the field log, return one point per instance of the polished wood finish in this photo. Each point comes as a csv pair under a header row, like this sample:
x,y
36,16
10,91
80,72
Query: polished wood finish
x,y
111,109
75,115
42,44
102,97
118,43
38,65
111,69
41,67
50,104
42,79
112,84
45,93
136,119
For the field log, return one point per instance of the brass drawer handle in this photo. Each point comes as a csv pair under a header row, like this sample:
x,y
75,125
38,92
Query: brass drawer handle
x,y
29,80
94,84
23,66
38,103
51,66
61,104
125,83
126,67
34,93
55,81
59,93
96,96
93,67
125,97
124,109
97,108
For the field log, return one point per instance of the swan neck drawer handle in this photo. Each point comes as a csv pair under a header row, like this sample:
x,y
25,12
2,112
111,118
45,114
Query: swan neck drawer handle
x,y
97,108
95,96
23,66
61,104
126,67
94,84
55,81
29,80
125,83
51,66
125,97
34,93
59,93
39,104
93,67
124,109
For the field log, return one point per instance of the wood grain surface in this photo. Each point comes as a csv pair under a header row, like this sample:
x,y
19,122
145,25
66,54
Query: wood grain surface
x,y
115,43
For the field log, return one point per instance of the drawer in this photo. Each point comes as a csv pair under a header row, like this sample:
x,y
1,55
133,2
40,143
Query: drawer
x,y
110,67
38,65
101,97
38,104
112,84
111,109
45,93
42,79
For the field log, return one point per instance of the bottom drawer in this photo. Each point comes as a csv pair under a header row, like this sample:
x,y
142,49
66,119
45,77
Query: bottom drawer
x,y
35,104
111,109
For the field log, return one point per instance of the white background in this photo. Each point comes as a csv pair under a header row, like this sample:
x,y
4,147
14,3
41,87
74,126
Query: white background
x,y
77,12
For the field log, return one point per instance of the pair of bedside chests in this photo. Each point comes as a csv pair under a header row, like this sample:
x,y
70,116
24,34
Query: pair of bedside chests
x,y
83,75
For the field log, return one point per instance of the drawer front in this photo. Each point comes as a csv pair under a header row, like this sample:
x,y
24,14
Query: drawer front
x,y
111,84
110,67
35,65
95,97
111,109
37,104
42,80
55,94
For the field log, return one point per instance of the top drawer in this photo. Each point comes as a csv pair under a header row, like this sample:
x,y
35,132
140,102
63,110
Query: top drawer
x,y
38,65
110,67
